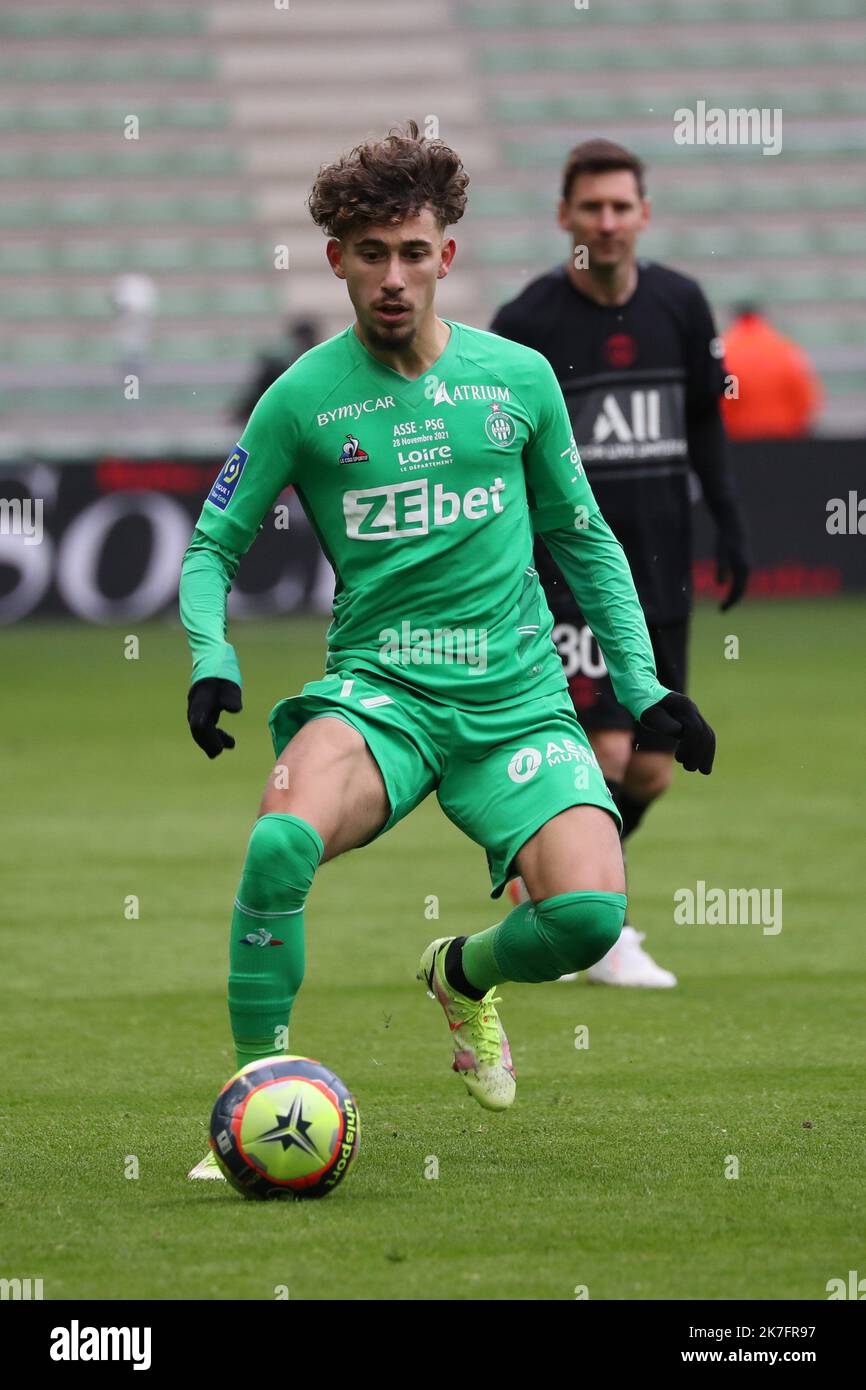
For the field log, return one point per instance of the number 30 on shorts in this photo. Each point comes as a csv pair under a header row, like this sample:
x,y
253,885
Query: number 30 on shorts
x,y
580,653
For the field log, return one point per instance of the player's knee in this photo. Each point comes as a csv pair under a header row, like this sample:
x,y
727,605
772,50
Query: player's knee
x,y
649,776
613,749
580,928
282,857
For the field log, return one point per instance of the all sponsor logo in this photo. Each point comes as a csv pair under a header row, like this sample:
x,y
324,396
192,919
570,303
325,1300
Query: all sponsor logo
x,y
630,425
644,421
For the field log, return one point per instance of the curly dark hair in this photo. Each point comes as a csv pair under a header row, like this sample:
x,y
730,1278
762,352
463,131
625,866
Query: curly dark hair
x,y
386,181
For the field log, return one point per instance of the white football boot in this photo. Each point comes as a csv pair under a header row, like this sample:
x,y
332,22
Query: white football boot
x,y
627,963
208,1168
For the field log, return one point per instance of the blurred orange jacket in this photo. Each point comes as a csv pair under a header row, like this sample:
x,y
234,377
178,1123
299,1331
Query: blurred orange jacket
x,y
779,393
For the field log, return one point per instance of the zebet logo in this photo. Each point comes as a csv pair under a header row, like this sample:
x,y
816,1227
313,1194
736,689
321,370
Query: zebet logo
x,y
414,508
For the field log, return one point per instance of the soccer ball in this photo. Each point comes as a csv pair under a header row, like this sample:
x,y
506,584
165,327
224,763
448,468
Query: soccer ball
x,y
285,1127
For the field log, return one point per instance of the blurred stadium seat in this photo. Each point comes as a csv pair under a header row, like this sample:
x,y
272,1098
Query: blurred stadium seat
x,y
238,106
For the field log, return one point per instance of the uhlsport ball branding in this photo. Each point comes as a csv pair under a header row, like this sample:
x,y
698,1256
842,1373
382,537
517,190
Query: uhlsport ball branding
x,y
285,1127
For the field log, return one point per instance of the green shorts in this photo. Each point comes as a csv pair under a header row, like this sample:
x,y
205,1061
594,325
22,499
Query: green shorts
x,y
499,774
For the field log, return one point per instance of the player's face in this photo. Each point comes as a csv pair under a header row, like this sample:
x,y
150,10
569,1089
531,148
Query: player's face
x,y
391,274
606,214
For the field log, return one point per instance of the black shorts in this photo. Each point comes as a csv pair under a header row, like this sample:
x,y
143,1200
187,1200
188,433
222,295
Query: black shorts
x,y
590,686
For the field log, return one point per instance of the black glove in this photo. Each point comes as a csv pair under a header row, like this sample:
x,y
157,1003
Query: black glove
x,y
207,698
732,566
680,717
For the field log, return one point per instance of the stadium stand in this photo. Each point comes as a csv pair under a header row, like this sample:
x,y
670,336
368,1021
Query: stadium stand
x,y
786,230
238,105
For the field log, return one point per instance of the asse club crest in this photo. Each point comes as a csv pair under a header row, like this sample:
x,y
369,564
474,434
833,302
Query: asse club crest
x,y
499,427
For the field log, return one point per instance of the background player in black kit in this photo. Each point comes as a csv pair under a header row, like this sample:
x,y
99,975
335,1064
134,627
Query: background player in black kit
x,y
635,350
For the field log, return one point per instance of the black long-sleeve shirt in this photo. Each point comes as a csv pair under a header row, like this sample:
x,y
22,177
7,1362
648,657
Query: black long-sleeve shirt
x,y
642,382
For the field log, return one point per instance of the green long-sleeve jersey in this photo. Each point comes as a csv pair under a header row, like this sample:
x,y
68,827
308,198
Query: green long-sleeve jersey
x,y
425,496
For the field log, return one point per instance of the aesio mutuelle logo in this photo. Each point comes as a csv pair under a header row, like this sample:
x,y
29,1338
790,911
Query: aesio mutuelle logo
x,y
524,764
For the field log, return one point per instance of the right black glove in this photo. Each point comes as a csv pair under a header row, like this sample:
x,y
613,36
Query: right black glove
x,y
207,699
680,717
732,569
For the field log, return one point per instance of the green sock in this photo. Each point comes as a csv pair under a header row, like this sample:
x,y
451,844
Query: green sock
x,y
541,941
266,949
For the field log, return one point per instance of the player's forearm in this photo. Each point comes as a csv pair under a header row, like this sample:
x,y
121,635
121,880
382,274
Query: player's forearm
x,y
594,566
206,576
709,457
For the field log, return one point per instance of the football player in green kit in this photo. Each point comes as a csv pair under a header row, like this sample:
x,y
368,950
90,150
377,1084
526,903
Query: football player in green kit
x,y
426,455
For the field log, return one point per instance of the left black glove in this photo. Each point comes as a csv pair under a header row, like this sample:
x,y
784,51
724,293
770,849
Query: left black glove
x,y
680,717
732,568
205,703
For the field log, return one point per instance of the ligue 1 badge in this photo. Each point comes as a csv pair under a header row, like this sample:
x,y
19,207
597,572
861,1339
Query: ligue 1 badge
x,y
228,478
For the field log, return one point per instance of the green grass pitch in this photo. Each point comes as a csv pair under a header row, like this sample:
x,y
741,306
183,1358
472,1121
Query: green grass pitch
x,y
610,1170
